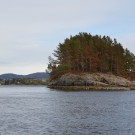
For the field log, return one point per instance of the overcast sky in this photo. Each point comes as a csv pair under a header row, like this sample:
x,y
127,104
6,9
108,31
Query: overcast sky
x,y
30,30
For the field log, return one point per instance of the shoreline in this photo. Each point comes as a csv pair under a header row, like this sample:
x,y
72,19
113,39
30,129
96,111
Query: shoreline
x,y
92,88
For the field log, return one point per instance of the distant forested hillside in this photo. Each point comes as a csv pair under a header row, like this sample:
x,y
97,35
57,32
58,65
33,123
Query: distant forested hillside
x,y
38,75
87,53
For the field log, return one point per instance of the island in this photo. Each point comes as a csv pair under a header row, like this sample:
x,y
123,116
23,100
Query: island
x,y
86,62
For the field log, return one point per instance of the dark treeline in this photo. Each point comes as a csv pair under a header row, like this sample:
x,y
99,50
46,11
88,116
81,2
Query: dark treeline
x,y
23,81
87,53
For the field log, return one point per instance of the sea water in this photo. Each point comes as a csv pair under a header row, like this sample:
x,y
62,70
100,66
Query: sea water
x,y
37,110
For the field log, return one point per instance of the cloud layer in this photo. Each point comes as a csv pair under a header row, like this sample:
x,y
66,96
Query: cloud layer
x,y
31,29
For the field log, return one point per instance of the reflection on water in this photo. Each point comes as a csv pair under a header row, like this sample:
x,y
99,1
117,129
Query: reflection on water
x,y
41,111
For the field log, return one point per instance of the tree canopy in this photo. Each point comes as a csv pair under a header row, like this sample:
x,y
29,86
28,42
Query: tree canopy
x,y
87,53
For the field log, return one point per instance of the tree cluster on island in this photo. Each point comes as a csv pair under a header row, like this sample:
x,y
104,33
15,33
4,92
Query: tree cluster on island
x,y
84,53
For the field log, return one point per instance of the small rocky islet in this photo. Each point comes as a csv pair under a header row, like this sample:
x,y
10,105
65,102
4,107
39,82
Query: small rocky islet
x,y
91,62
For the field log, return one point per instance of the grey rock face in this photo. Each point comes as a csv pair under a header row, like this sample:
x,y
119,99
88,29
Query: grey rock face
x,y
93,79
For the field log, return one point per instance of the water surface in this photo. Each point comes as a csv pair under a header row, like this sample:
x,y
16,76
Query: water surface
x,y
30,110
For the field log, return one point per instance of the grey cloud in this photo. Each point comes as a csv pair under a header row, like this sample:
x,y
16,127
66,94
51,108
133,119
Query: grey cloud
x,y
4,63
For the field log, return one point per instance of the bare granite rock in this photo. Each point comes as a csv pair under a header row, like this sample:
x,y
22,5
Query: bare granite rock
x,y
94,79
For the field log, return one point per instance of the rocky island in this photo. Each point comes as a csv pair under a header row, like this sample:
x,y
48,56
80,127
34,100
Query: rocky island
x,y
86,62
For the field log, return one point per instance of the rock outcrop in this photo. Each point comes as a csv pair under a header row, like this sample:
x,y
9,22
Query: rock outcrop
x,y
94,79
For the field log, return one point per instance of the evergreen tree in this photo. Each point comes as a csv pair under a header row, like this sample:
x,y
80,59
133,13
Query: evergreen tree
x,y
87,53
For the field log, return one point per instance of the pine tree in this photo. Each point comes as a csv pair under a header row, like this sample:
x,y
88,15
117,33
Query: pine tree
x,y
87,53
